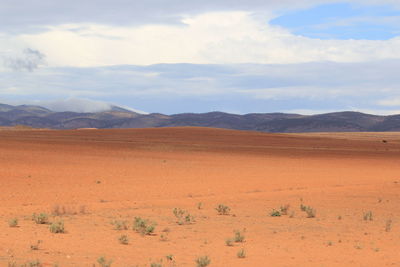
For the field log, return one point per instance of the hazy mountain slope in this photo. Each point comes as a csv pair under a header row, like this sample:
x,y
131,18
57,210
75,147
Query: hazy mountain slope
x,y
116,117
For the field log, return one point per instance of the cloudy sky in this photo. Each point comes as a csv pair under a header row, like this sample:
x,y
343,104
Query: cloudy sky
x,y
173,56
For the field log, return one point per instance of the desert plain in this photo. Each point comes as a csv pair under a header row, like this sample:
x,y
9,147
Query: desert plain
x,y
94,180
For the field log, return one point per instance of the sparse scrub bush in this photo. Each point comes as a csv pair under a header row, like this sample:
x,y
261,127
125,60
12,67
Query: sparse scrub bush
x,y
36,246
57,227
170,257
367,216
120,225
13,222
285,209
275,213
41,218
144,227
183,216
311,213
303,207
155,264
203,261
35,263
241,254
229,242
60,210
388,226
223,209
239,237
103,262
164,237
200,205
123,239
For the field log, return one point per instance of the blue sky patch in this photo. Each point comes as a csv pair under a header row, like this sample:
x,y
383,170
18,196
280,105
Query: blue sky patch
x,y
343,21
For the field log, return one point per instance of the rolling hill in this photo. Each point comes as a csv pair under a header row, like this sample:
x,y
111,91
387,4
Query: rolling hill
x,y
117,117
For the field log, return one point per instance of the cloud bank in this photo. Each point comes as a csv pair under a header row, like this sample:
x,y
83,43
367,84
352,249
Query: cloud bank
x,y
220,55
238,88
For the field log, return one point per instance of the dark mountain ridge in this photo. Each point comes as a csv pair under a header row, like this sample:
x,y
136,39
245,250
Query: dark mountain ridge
x,y
117,117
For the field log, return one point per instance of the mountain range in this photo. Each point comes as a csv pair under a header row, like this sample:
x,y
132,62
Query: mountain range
x,y
117,117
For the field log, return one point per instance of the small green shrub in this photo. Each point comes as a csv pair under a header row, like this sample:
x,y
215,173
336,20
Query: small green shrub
x,y
229,242
303,207
123,239
183,217
284,209
36,246
388,226
41,218
155,264
144,227
203,261
275,213
222,209
103,262
13,222
120,225
311,213
170,257
35,263
241,254
367,216
57,227
239,237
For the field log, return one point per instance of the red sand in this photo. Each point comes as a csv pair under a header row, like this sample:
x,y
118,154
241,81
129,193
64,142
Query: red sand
x,y
120,174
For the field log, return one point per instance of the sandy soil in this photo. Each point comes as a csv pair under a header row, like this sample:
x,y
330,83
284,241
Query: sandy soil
x,y
100,176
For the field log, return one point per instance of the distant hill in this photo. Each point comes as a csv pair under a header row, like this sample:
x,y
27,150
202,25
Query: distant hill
x,y
117,117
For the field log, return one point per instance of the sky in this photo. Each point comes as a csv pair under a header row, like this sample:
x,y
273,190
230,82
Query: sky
x,y
176,56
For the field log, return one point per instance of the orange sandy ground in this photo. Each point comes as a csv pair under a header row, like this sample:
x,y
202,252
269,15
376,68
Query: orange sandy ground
x,y
121,174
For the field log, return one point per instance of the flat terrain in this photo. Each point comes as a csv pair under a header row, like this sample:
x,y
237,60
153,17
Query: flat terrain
x,y
91,178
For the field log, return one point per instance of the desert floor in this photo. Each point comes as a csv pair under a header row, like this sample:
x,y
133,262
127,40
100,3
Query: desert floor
x,y
91,178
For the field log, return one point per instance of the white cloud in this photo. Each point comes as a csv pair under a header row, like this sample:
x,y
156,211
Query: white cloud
x,y
211,38
392,102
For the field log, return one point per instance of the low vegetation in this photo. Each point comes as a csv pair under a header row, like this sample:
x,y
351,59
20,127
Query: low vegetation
x,y
241,254
311,212
388,225
182,216
13,222
203,261
144,227
229,242
57,227
123,239
239,236
103,262
223,209
275,213
120,225
368,216
41,218
60,210
35,263
36,246
284,209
